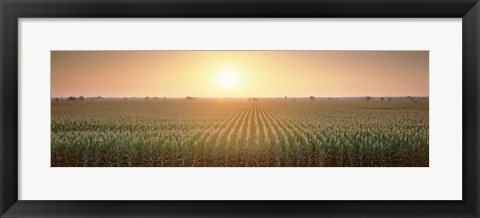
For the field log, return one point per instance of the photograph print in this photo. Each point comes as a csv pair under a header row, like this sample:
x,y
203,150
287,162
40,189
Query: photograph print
x,y
240,108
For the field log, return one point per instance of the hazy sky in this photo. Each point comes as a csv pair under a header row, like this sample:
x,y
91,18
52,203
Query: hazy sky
x,y
239,73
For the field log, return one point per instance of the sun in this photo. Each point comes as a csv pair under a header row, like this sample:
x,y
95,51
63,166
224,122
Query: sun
x,y
228,79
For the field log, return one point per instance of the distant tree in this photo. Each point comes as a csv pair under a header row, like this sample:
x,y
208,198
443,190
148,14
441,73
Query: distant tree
x,y
71,98
285,98
125,98
381,99
190,98
81,98
56,99
367,99
155,97
164,98
312,98
147,98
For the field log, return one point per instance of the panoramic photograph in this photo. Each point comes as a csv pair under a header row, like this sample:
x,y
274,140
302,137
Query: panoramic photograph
x,y
240,108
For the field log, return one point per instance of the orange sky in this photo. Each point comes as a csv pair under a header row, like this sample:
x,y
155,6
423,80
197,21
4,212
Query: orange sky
x,y
255,73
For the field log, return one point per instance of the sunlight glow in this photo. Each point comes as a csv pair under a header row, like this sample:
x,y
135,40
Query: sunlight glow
x,y
228,79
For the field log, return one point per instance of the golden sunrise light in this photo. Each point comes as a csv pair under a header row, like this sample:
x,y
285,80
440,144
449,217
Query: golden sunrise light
x,y
228,79
232,74
239,109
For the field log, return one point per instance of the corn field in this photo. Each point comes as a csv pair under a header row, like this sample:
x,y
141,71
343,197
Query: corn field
x,y
239,133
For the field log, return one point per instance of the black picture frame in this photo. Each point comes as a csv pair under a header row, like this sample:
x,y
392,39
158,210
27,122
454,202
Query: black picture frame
x,y
12,10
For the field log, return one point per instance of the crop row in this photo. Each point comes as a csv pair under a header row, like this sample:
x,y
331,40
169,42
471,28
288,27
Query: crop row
x,y
239,134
